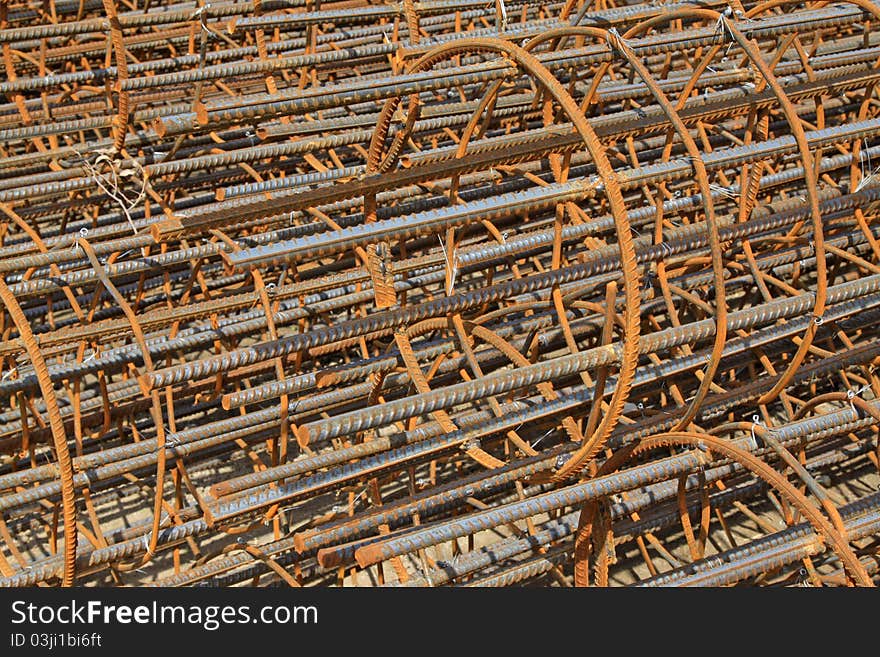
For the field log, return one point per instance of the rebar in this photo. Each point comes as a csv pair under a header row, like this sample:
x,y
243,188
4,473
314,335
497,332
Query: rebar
x,y
411,294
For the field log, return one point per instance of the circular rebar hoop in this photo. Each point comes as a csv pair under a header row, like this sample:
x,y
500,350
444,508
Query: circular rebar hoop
x,y
711,443
59,436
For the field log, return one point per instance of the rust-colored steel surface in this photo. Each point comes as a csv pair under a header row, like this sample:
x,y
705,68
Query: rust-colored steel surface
x,y
439,293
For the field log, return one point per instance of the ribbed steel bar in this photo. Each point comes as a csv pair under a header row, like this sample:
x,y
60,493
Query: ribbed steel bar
x,y
439,293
